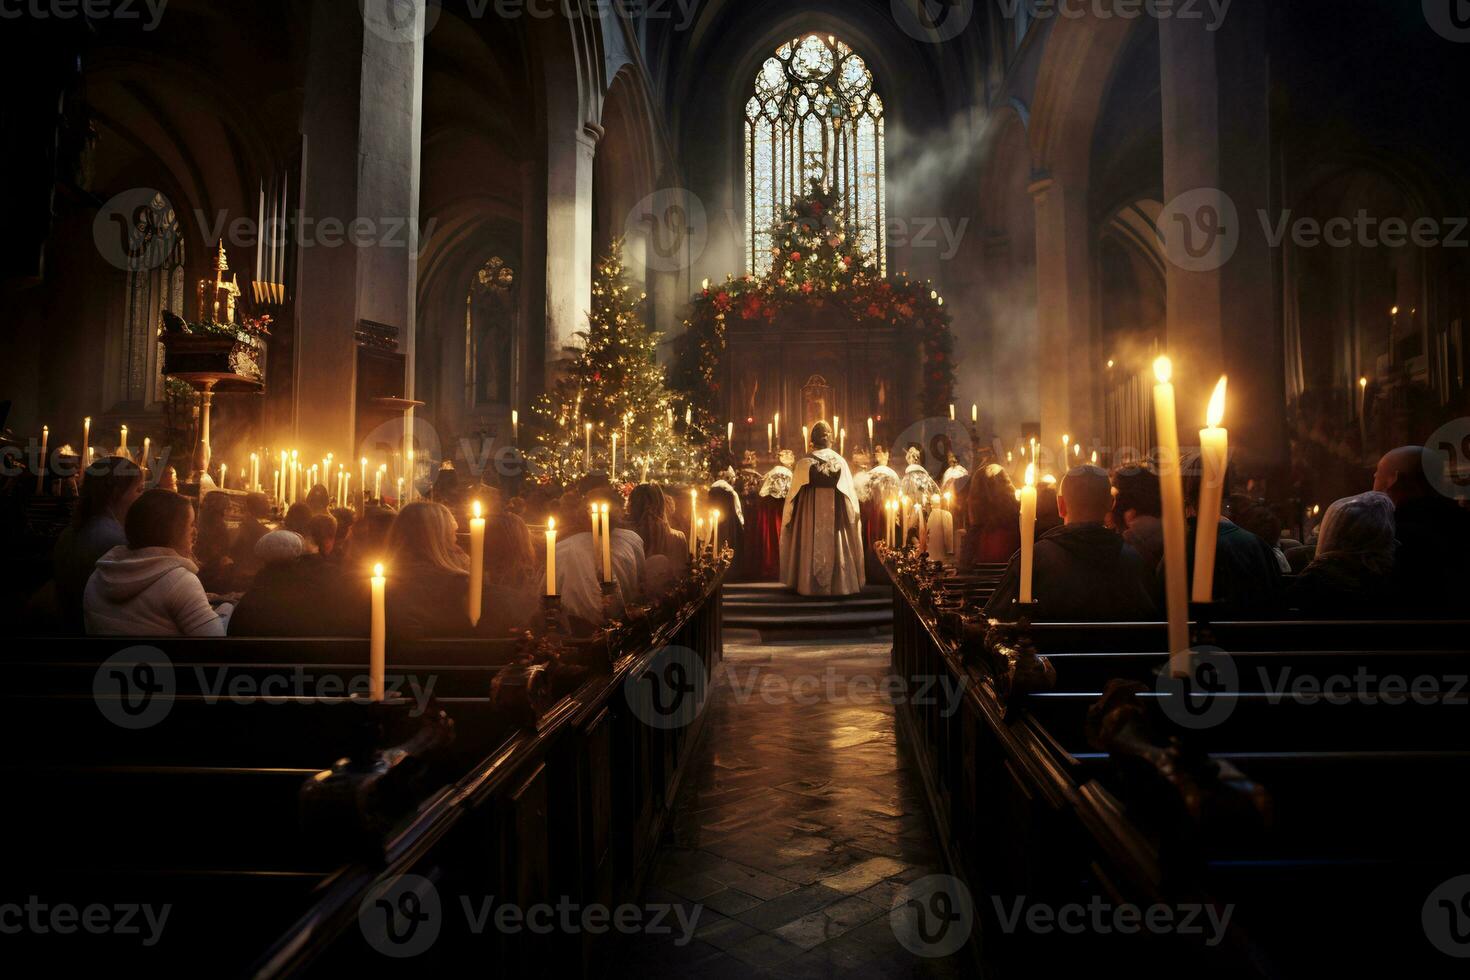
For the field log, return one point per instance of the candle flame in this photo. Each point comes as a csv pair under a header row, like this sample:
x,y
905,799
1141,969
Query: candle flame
x,y
1094,457
1362,382
475,507
603,508
551,524
378,570
1216,412
1030,474
1163,370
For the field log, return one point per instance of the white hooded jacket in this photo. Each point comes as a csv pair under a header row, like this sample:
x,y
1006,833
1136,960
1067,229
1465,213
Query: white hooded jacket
x,y
149,592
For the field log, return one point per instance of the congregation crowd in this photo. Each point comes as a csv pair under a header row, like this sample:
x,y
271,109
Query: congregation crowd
x,y
146,561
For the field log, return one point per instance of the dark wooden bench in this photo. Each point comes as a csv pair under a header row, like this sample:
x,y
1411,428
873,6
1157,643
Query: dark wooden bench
x,y
1323,823
202,809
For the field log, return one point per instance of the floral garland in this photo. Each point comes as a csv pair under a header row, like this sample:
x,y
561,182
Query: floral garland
x,y
815,263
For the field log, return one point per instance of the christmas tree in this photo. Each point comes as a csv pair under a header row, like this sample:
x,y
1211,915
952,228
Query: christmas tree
x,y
614,383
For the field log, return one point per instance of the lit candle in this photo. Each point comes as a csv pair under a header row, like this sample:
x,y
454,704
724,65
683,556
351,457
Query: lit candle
x,y
515,432
974,413
870,432
729,434
255,472
612,465
596,543
1027,495
223,471
688,417
41,466
587,450
295,476
770,445
842,442
1214,452
805,439
363,464
341,485
551,556
777,421
399,498
346,489
1171,491
409,486
87,440
607,575
1077,450
1363,413
477,561
144,457
922,525
378,642
1066,448
1094,457
693,516
699,532
836,428
378,482
122,442
714,531
951,411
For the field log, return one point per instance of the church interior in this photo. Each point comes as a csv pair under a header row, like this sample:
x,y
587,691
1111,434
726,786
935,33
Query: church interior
x,y
935,488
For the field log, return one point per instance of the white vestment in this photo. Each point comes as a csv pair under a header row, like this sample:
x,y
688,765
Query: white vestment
x,y
821,529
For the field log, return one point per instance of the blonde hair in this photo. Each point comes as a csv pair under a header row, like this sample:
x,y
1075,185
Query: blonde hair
x,y
424,533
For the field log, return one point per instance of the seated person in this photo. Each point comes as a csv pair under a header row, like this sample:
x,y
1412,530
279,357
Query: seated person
x,y
1247,575
111,486
510,596
367,540
428,574
665,550
1138,511
251,529
213,543
1432,560
1353,570
579,571
323,532
993,519
1083,571
150,586
297,592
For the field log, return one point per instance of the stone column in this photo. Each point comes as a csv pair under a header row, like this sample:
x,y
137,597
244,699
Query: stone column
x,y
1066,353
568,238
1223,310
358,238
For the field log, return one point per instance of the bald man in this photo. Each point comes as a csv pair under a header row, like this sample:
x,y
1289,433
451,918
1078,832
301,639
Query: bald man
x,y
1432,559
1084,572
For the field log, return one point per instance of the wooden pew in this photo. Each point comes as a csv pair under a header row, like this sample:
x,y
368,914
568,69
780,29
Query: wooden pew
x,y
1323,824
202,809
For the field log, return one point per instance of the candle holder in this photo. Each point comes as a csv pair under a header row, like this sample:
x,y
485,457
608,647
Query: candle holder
x,y
1201,624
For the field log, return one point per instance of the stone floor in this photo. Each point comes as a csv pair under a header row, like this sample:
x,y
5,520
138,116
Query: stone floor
x,y
797,829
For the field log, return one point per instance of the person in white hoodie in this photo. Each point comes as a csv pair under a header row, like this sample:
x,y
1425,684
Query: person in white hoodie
x,y
150,586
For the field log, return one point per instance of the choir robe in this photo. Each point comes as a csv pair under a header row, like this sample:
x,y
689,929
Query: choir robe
x,y
748,486
875,487
821,530
768,521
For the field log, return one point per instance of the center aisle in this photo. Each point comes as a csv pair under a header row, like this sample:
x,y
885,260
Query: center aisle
x,y
798,826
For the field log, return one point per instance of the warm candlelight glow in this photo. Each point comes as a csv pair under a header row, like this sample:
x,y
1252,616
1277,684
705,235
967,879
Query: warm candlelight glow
x,y
1030,474
1163,370
1215,414
1362,382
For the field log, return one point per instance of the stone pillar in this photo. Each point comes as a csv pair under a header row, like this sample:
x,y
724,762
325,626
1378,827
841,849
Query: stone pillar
x,y
1066,352
1223,309
568,238
358,237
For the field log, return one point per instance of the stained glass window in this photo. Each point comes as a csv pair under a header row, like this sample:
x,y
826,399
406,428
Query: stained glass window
x,y
814,114
491,350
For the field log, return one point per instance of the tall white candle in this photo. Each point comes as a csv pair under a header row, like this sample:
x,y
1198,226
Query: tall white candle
x,y
122,442
515,427
693,517
378,638
769,437
974,413
596,541
255,472
714,531
1028,533
223,473
587,448
144,458
364,465
612,466
41,463
551,556
1171,492
477,562
607,575
1214,444
870,432
777,421
87,440
729,434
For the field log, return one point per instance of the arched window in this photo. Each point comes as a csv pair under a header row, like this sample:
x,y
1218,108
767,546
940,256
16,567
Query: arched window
x,y
814,115
491,347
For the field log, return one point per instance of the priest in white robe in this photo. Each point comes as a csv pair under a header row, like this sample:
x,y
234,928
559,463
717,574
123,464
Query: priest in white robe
x,y
821,527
